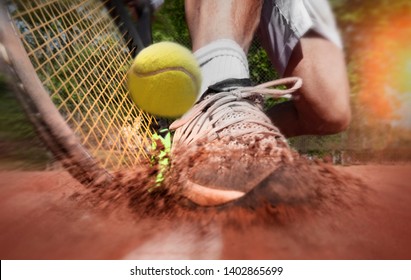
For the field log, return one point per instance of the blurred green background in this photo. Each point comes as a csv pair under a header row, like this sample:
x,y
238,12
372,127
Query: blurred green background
x,y
20,148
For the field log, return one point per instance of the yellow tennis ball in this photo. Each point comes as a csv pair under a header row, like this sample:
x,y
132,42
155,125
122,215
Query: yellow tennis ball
x,y
164,79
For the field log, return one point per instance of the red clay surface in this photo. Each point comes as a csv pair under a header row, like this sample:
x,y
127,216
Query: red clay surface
x,y
47,215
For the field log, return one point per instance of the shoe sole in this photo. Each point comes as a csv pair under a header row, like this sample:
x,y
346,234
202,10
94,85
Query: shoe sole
x,y
205,196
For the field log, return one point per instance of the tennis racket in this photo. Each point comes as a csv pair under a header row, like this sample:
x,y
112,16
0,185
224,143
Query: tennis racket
x,y
69,60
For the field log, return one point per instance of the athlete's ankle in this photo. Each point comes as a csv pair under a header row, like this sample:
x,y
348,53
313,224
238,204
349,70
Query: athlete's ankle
x,y
220,60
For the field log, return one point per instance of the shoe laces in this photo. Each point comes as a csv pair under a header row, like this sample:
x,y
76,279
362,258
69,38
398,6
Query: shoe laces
x,y
235,113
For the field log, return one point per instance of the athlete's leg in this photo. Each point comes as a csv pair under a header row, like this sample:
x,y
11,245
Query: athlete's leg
x,y
211,20
221,33
290,33
322,106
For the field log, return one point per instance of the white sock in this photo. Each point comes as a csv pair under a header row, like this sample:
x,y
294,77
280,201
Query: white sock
x,y
221,59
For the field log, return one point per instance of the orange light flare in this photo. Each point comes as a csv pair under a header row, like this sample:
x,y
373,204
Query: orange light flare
x,y
384,74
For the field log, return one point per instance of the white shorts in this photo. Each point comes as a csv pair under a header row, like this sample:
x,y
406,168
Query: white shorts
x,y
284,22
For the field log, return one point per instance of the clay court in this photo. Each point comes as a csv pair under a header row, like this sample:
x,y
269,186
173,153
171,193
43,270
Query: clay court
x,y
363,213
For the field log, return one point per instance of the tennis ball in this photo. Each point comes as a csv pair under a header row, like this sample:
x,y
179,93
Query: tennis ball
x,y
164,79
